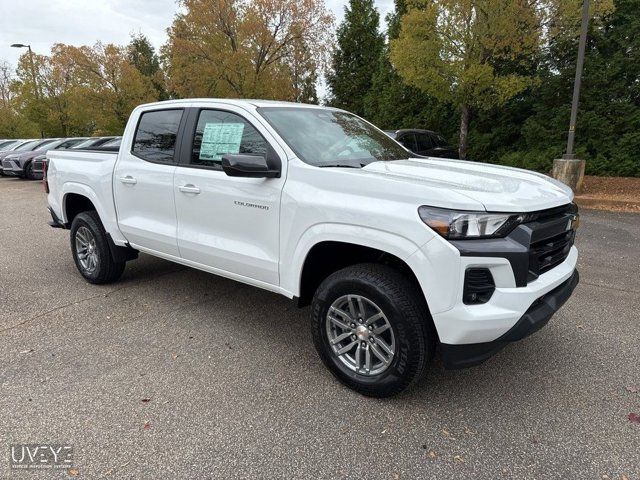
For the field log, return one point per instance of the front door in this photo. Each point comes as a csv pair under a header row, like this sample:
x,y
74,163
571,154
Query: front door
x,y
143,183
229,224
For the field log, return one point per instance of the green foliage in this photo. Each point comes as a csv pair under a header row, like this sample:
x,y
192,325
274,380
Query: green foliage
x,y
453,50
517,80
529,128
532,130
359,46
143,56
391,104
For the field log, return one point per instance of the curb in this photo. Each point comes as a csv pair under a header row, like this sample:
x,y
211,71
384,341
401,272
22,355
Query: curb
x,y
596,203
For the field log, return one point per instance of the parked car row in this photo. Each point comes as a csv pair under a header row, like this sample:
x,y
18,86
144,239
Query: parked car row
x,y
25,158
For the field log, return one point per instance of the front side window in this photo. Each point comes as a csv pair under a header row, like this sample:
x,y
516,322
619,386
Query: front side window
x,y
326,138
219,133
155,138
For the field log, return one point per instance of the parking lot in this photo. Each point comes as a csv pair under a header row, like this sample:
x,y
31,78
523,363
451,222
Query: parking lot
x,y
173,372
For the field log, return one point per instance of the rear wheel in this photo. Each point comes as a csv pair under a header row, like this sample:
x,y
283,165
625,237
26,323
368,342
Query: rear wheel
x,y
372,329
90,249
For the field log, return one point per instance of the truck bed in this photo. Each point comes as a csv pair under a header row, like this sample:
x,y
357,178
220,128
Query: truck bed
x,y
85,172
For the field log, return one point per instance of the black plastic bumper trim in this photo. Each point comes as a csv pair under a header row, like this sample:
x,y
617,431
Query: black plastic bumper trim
x,y
55,222
536,317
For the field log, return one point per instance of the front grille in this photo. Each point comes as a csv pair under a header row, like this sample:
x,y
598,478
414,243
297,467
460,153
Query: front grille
x,y
551,252
551,242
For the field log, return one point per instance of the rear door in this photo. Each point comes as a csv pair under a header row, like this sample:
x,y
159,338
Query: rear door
x,y
143,182
228,224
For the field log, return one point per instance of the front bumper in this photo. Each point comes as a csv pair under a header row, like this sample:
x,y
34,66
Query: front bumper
x,y
11,167
536,317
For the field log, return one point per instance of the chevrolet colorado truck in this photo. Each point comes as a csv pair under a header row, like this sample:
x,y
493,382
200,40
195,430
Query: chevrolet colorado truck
x,y
398,256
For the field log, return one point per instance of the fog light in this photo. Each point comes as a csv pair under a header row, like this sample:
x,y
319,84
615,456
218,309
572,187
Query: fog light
x,y
478,286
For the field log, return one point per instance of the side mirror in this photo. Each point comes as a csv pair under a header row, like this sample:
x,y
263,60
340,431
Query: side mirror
x,y
251,166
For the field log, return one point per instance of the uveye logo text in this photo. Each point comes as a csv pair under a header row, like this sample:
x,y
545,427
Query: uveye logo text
x,y
41,456
252,205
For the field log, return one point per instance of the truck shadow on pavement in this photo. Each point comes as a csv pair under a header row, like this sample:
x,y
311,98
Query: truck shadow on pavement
x,y
213,304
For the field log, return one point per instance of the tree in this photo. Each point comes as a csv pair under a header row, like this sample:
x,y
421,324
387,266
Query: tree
x,y
391,103
44,91
109,85
12,123
258,49
359,46
449,49
142,55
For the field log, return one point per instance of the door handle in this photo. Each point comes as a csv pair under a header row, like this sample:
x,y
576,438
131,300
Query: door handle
x,y
189,188
128,179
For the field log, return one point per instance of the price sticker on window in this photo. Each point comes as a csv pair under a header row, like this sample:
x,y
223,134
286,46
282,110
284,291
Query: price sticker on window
x,y
219,139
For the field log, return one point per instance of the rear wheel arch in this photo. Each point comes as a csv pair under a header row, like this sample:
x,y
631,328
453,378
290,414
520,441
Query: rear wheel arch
x,y
75,203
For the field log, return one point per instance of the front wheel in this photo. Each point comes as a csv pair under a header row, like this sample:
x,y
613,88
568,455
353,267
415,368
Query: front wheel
x,y
90,249
28,171
372,329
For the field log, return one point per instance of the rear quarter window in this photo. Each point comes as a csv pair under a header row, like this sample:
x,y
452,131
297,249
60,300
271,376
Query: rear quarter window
x,y
155,137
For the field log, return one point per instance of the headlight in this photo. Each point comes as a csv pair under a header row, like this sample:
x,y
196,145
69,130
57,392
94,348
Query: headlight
x,y
459,224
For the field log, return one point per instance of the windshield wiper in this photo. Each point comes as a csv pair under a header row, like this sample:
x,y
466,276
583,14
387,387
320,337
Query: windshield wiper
x,y
344,165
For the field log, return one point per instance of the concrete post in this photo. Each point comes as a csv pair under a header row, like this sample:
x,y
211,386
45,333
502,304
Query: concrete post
x,y
569,171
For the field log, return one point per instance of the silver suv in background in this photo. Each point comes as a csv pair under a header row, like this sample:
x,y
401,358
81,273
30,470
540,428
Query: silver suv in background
x,y
39,162
20,164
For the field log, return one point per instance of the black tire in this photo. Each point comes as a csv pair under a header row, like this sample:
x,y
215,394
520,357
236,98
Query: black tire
x,y
106,270
28,171
406,311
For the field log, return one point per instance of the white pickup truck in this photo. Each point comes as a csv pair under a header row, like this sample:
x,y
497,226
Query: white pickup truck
x,y
397,255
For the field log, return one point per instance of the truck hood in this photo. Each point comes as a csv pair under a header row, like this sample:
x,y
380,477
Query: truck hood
x,y
498,188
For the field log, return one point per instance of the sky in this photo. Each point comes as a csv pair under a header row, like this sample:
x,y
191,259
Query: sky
x,y
41,23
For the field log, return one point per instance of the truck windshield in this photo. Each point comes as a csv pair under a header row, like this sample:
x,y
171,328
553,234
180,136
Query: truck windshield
x,y
331,138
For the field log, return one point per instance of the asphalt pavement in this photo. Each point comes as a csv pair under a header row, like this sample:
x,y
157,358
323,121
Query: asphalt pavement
x,y
175,373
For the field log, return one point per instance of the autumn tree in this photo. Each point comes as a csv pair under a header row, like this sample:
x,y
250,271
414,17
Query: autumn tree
x,y
450,49
108,83
44,91
13,124
358,50
238,48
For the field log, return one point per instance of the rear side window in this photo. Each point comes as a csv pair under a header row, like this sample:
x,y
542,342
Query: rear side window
x,y
424,142
439,140
408,140
218,133
155,138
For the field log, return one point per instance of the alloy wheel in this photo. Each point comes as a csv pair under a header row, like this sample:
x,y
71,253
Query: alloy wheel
x,y
86,249
360,335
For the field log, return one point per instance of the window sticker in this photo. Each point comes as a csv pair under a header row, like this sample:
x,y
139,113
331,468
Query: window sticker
x,y
219,139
